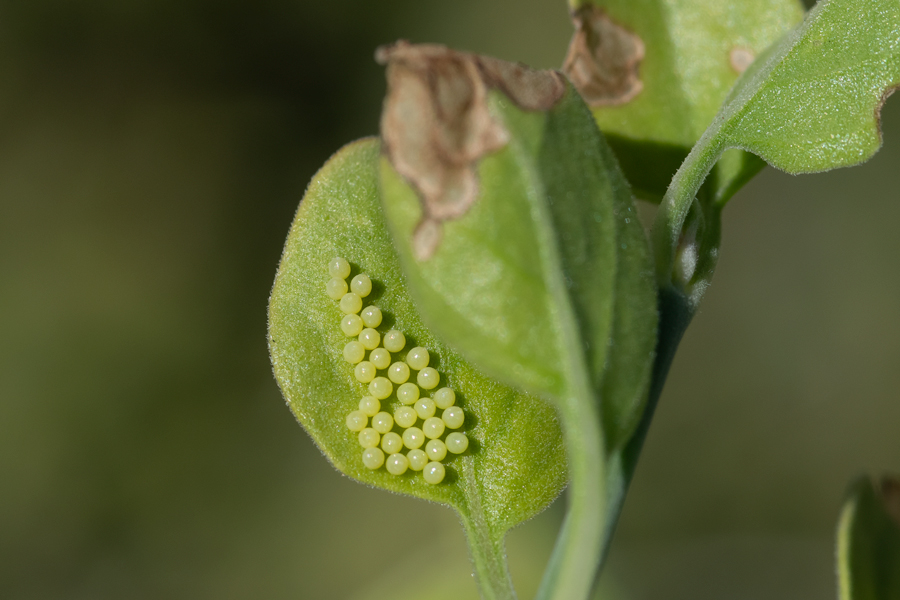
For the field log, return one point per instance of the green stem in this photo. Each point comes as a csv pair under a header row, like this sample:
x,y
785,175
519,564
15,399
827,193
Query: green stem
x,y
676,205
675,314
576,557
487,551
678,296
571,571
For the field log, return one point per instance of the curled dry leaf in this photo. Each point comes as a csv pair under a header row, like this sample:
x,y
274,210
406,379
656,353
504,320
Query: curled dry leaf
x,y
603,58
436,124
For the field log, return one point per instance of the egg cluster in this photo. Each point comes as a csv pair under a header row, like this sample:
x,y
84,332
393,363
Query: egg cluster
x,y
414,422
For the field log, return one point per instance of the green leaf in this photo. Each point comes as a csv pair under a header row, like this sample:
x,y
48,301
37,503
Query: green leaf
x,y
515,465
543,279
552,230
656,72
814,104
811,103
868,545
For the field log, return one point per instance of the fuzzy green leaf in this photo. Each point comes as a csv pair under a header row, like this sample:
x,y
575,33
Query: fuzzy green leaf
x,y
814,102
655,72
869,542
515,465
554,230
544,281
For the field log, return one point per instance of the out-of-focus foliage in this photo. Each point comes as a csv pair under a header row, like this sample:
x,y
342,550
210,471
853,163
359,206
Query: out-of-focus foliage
x,y
868,542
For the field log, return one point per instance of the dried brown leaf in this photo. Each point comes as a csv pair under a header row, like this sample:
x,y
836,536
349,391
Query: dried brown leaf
x,y
603,58
436,124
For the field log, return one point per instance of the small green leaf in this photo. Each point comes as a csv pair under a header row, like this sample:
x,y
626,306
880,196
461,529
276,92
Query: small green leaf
x,y
541,275
814,103
868,544
811,103
515,465
656,72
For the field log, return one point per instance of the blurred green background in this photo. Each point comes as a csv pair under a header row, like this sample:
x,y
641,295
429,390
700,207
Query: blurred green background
x,y
152,153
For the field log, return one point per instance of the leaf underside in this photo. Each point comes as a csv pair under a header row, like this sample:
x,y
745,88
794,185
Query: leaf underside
x,y
515,465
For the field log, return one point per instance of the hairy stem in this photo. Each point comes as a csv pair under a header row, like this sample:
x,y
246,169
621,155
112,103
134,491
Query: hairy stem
x,y
675,314
577,554
668,230
488,552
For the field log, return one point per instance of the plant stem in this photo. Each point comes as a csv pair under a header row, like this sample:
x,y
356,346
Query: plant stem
x,y
675,314
676,204
576,557
488,556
